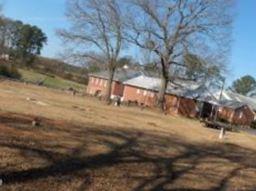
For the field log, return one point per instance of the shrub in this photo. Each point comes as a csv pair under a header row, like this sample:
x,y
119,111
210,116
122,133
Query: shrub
x,y
10,72
253,125
14,73
4,71
222,120
68,76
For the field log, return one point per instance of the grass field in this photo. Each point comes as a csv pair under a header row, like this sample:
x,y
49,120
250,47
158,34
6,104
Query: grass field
x,y
50,81
82,144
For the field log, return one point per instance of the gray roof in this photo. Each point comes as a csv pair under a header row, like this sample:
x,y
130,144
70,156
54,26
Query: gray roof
x,y
252,94
231,104
235,97
183,88
120,74
145,82
193,90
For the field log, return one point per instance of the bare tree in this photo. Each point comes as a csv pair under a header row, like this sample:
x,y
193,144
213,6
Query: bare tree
x,y
173,28
2,30
95,26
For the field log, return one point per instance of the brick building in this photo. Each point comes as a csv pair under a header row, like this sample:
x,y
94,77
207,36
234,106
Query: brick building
x,y
237,109
236,113
182,97
179,99
97,84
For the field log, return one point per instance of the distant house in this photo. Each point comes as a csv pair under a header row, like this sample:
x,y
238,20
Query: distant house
x,y
243,108
232,96
97,84
236,113
179,98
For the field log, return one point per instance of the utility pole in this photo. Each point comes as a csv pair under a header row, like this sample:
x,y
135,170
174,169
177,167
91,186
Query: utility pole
x,y
222,88
220,97
222,131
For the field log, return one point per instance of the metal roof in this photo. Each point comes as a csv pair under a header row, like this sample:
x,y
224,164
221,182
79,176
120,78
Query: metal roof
x,y
252,94
232,104
193,90
183,88
120,74
235,97
145,82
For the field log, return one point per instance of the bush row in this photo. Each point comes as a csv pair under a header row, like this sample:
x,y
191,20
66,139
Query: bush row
x,y
9,72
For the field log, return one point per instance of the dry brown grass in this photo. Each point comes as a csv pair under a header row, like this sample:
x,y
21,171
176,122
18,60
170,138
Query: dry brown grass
x,y
82,144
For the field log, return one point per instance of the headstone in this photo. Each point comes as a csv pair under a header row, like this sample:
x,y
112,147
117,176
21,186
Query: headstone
x,y
222,133
35,123
117,101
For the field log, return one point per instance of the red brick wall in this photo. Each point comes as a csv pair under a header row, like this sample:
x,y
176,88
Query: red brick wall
x,y
172,104
181,106
142,96
187,107
226,113
99,85
117,88
242,116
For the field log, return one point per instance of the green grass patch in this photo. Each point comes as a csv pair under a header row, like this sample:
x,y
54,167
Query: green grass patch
x,y
49,80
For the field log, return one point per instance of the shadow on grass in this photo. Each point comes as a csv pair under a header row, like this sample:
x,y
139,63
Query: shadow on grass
x,y
143,160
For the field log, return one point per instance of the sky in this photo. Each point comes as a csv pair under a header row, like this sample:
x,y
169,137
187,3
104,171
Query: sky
x,y
49,15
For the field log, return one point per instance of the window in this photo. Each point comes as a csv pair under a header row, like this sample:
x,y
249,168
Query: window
x,y
241,115
96,82
151,94
138,91
101,81
145,93
105,84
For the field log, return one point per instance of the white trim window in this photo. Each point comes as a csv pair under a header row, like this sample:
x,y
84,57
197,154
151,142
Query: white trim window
x,y
145,93
101,81
138,91
105,84
96,81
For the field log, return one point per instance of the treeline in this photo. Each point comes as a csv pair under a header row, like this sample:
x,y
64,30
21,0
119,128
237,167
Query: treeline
x,y
246,85
20,43
59,68
20,47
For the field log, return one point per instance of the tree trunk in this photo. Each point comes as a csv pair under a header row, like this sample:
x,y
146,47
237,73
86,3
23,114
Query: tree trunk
x,y
164,83
109,86
161,94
